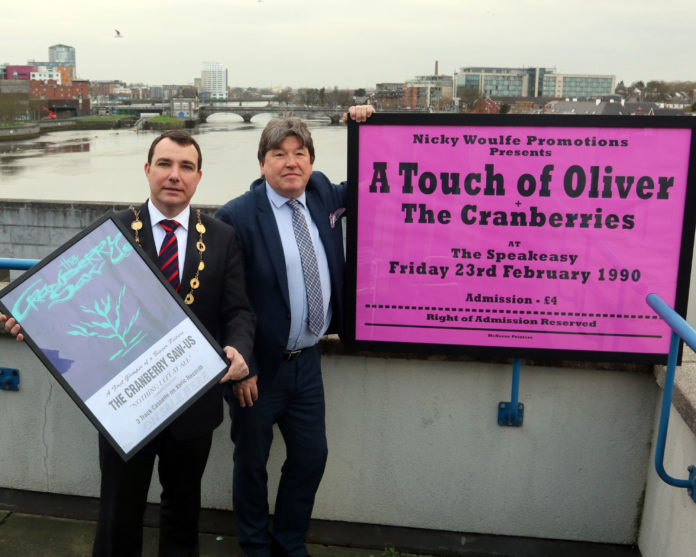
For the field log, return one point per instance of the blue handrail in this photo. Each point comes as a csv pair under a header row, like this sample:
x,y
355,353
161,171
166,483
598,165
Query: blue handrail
x,y
9,378
512,413
17,264
681,330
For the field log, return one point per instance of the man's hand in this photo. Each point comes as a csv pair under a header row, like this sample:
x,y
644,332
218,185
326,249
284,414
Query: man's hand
x,y
238,367
246,392
11,326
359,113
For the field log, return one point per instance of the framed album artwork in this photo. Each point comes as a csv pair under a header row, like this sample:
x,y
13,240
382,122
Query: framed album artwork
x,y
115,335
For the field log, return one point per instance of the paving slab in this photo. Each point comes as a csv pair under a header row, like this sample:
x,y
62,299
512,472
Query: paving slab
x,y
27,535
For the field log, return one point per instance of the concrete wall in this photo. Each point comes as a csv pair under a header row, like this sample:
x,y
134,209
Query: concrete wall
x,y
19,133
416,443
33,229
670,514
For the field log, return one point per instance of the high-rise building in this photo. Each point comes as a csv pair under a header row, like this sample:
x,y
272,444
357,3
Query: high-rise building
x,y
213,81
63,55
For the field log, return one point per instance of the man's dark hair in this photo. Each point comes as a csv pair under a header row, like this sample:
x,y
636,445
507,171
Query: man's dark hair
x,y
278,129
180,137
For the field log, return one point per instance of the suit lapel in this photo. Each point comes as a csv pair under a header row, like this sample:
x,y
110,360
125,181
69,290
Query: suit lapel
x,y
147,242
271,237
320,217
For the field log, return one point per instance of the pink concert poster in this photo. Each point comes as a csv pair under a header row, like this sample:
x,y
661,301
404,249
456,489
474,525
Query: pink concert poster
x,y
538,237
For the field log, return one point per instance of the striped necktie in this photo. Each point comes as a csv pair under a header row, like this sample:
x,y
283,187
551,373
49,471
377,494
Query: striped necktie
x,y
169,253
310,269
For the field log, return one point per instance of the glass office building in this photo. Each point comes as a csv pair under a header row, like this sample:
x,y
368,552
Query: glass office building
x,y
501,82
62,55
578,86
530,82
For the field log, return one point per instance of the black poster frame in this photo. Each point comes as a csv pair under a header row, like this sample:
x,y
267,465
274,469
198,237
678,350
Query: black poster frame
x,y
165,295
423,121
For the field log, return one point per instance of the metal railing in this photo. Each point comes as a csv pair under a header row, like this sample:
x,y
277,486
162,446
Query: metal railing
x,y
9,377
17,264
511,414
681,330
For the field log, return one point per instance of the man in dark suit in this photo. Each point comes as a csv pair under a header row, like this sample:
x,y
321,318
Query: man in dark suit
x,y
212,283
290,232
210,265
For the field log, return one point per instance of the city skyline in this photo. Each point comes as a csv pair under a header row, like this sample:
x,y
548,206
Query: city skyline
x,y
276,43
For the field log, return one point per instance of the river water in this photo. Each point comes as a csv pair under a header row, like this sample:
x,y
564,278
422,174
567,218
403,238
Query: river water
x,y
107,165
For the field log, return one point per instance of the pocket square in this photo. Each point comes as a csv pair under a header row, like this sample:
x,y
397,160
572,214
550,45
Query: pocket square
x,y
336,216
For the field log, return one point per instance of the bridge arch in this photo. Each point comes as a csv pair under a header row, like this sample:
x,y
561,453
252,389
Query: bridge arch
x,y
334,115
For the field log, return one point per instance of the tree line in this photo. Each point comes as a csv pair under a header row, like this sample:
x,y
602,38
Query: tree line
x,y
318,97
657,90
18,106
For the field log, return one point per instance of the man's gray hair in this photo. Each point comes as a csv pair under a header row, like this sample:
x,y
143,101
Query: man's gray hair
x,y
278,130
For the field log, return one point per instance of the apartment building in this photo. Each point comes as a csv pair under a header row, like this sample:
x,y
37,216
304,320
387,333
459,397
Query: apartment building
x,y
530,82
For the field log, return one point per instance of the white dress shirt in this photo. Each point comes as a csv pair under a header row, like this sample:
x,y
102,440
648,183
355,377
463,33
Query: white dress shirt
x,y
300,335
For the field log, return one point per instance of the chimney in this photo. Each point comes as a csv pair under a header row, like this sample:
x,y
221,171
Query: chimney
x,y
436,62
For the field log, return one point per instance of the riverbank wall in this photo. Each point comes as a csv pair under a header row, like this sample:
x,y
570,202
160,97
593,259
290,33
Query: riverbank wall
x,y
88,124
414,441
171,125
19,133
32,131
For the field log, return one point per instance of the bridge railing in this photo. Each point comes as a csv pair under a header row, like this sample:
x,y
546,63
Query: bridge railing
x,y
681,330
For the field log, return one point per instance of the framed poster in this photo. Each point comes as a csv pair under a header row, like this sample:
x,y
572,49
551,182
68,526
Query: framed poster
x,y
519,236
115,335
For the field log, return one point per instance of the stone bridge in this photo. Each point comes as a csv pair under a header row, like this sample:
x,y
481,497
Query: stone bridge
x,y
248,112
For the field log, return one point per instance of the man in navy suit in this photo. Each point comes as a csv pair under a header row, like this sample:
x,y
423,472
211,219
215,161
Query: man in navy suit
x,y
285,384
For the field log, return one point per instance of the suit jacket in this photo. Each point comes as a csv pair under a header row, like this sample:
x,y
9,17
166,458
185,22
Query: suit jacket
x,y
220,303
267,285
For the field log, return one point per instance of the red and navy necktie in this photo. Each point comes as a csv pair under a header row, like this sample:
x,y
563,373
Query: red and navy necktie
x,y
169,253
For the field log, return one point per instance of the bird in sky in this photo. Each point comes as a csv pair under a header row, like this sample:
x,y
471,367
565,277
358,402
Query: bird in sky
x,y
118,34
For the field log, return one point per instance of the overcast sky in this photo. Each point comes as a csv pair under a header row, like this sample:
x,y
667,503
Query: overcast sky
x,y
317,43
